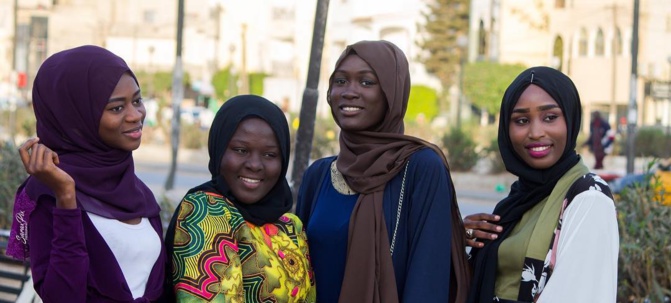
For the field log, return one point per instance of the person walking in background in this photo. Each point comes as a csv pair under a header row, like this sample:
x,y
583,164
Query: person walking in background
x,y
231,238
555,237
90,227
382,217
599,139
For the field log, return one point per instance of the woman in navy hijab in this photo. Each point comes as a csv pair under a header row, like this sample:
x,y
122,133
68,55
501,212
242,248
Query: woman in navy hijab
x,y
90,227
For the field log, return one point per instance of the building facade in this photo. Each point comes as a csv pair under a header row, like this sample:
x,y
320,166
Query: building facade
x,y
588,40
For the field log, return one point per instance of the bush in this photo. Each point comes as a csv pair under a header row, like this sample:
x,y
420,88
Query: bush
x,y
12,175
461,152
492,153
645,246
652,142
422,100
192,136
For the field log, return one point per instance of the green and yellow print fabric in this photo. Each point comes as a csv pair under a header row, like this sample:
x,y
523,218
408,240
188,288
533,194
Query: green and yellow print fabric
x,y
219,257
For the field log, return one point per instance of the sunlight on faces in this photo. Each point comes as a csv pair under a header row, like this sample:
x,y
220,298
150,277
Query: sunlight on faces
x,y
538,128
252,162
357,100
121,121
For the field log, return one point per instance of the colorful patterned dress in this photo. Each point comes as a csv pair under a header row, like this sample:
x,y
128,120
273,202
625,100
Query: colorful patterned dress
x,y
219,257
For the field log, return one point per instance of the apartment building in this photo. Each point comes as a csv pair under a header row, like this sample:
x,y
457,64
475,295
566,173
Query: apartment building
x,y
588,40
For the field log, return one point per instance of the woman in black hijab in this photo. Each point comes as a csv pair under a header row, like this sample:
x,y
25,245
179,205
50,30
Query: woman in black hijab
x,y
232,238
554,238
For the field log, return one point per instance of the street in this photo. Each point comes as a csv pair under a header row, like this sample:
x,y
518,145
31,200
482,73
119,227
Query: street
x,y
189,175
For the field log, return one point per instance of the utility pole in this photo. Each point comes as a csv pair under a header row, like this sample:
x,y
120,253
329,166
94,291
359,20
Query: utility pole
x,y
244,77
493,31
306,128
177,95
15,38
632,112
612,117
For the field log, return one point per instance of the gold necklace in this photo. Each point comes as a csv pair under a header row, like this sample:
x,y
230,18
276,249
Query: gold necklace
x,y
338,181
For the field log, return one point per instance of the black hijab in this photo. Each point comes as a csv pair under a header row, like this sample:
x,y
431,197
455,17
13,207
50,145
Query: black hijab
x,y
278,201
533,185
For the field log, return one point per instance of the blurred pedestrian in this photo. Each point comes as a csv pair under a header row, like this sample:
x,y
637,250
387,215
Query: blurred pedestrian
x,y
599,139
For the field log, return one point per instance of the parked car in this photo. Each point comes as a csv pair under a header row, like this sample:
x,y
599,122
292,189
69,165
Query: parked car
x,y
197,115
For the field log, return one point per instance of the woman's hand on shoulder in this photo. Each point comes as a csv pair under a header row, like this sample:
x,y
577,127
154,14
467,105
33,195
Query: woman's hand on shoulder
x,y
480,226
42,163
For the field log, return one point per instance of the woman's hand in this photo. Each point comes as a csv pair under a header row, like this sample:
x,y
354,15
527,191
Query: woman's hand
x,y
42,163
479,226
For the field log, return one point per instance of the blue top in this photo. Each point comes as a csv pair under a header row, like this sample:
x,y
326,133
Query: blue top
x,y
422,256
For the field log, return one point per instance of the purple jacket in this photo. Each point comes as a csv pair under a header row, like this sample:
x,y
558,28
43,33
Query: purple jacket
x,y
71,262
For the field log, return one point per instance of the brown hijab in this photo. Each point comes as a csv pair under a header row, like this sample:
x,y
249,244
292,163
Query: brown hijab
x,y
368,160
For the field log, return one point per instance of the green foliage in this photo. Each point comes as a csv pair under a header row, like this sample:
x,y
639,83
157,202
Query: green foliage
x,y
225,84
167,210
24,121
423,100
158,83
444,22
645,246
652,142
12,175
461,153
193,136
325,137
485,82
256,83
494,155
26,118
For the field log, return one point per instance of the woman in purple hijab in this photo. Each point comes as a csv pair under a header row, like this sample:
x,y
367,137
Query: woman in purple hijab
x,y
90,228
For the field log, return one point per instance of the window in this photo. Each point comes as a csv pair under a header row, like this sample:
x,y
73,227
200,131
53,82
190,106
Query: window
x,y
149,16
482,40
599,48
617,42
560,3
582,42
558,53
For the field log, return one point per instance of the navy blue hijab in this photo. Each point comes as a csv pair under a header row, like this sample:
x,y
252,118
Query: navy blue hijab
x,y
533,185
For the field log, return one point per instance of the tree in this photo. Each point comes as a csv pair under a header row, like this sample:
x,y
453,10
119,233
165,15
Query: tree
x,y
307,116
445,22
225,84
256,83
485,83
423,100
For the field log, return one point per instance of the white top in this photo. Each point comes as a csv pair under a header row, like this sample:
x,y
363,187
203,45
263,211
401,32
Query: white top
x,y
588,248
136,248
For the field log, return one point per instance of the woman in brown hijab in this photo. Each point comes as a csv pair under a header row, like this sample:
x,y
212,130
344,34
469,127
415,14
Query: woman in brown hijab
x,y
382,218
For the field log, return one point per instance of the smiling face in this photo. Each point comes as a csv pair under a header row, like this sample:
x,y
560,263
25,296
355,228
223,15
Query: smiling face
x,y
121,122
252,162
356,98
538,128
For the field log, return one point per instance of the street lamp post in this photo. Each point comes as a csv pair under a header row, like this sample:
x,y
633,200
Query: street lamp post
x,y
462,43
668,100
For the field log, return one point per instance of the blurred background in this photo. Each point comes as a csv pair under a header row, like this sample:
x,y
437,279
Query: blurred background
x,y
462,54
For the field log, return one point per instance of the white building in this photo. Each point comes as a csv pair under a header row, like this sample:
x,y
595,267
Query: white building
x,y
588,40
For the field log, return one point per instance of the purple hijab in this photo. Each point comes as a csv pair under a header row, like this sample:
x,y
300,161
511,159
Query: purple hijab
x,y
70,92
